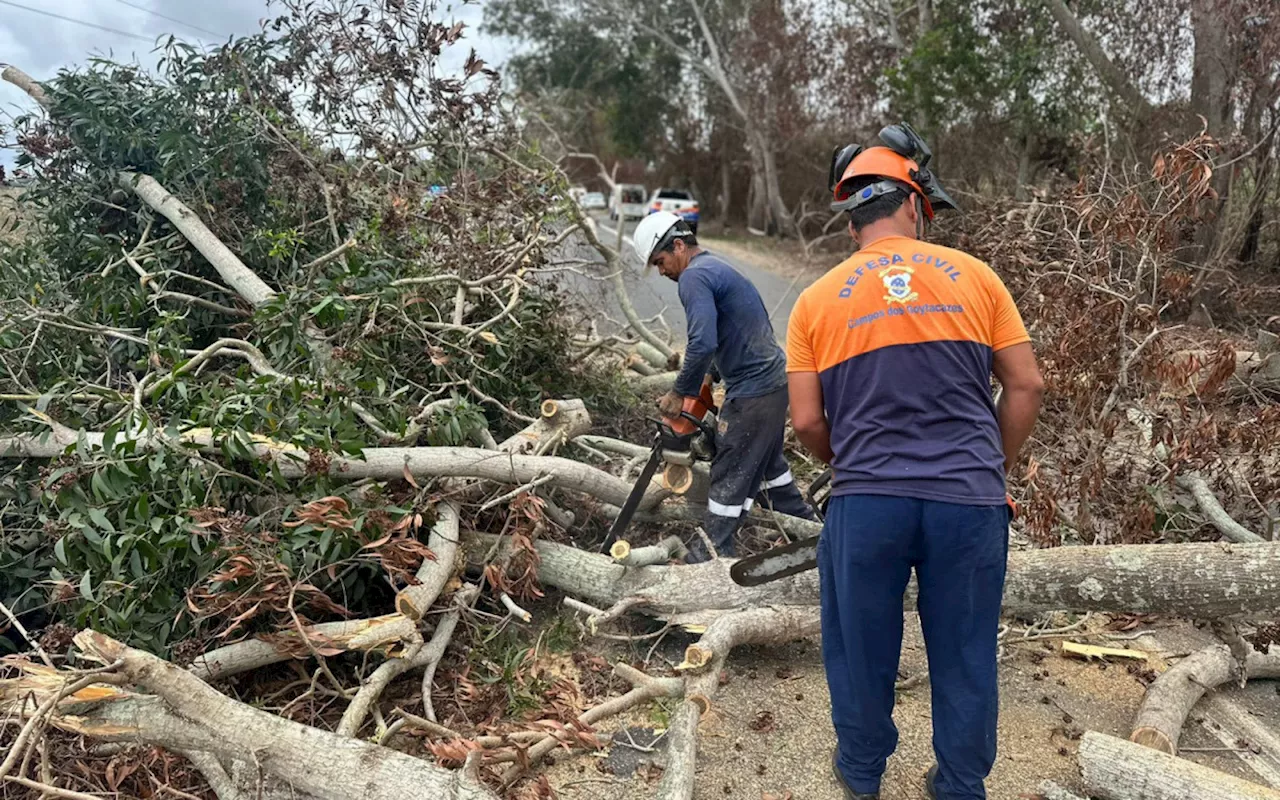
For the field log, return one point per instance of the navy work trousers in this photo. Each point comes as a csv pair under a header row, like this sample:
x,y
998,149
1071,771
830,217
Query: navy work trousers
x,y
749,467
869,545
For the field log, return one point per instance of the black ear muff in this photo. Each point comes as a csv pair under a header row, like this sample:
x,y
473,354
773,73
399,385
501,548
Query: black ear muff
x,y
841,157
899,140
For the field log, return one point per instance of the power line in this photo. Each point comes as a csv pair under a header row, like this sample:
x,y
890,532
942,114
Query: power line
x,y
77,21
170,19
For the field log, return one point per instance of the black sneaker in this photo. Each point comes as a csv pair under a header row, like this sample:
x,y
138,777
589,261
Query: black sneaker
x,y
929,778
849,794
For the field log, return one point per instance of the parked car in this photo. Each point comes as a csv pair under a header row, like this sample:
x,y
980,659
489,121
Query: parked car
x,y
628,201
677,201
577,193
593,200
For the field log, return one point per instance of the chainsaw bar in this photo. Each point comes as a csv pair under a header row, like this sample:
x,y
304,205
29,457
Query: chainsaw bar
x,y
776,563
633,499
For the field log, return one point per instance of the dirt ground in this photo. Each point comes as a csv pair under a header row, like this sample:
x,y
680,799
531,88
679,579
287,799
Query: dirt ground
x,y
769,732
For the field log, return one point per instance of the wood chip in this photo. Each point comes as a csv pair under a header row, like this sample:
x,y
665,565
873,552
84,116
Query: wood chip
x,y
1092,651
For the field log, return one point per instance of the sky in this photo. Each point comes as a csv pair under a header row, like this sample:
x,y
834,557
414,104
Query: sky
x,y
41,44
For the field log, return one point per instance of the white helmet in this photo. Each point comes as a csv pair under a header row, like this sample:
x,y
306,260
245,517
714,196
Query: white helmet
x,y
656,231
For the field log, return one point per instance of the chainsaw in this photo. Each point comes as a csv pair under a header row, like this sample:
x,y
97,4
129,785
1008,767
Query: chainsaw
x,y
693,433
791,559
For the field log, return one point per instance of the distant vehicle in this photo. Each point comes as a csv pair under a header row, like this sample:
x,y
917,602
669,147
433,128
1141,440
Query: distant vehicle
x,y
593,200
576,192
628,201
677,201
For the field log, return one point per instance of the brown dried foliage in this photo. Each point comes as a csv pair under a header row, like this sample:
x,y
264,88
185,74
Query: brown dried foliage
x,y
1098,273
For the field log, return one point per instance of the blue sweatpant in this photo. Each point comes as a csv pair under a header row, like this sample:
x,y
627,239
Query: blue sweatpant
x,y
869,545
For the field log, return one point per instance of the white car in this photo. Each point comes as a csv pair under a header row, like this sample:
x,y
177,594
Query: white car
x,y
593,200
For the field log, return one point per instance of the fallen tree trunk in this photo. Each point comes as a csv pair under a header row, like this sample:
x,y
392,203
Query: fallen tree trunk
x,y
184,714
1197,580
378,463
1170,698
1118,770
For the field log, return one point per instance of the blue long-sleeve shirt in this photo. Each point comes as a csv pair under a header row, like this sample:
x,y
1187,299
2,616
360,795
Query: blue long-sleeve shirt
x,y
727,325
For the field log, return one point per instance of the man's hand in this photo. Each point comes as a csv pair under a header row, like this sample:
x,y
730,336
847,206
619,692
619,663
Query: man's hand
x,y
670,404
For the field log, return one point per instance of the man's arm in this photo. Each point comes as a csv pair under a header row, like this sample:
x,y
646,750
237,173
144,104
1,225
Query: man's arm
x,y
700,311
1015,368
807,414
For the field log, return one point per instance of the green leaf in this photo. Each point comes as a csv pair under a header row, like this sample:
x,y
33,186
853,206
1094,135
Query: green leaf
x,y
86,587
60,550
99,518
100,488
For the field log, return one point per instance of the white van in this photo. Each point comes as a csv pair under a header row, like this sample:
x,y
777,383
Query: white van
x,y
628,201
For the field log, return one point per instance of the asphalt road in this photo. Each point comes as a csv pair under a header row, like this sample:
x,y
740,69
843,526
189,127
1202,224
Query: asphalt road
x,y
654,295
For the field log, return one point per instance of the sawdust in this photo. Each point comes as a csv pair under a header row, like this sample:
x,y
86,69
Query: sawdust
x,y
769,730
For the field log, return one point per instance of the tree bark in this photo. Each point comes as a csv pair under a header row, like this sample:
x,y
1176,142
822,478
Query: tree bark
x,y
239,277
362,634
1201,581
1118,770
1171,697
726,191
1213,66
378,463
1208,502
1213,74
183,713
1108,72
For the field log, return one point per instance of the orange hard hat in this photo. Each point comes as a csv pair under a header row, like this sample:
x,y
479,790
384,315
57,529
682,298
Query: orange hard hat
x,y
883,163
890,169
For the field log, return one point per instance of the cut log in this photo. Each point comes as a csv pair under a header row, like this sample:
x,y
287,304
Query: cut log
x,y
654,384
560,421
1170,698
660,553
1196,580
1118,770
183,713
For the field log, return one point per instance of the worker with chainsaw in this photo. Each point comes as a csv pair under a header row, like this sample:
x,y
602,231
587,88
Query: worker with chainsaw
x,y
890,357
728,329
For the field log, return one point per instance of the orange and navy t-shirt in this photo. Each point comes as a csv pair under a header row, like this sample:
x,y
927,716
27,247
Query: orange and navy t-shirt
x,y
902,336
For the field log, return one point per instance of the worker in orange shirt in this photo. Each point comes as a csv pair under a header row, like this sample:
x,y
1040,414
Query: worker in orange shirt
x,y
889,362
